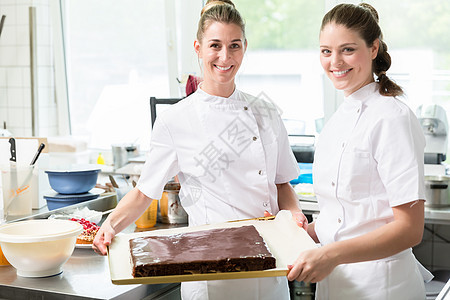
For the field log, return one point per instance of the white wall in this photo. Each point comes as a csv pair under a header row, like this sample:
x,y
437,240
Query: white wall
x,y
15,70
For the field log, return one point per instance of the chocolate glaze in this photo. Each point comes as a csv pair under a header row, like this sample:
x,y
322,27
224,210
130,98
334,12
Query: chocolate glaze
x,y
209,251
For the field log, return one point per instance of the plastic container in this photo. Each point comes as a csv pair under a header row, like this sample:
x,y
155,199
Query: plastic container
x,y
73,182
60,200
39,248
148,218
20,188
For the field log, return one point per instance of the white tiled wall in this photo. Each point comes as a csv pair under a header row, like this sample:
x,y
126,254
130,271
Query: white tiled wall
x,y
434,250
15,75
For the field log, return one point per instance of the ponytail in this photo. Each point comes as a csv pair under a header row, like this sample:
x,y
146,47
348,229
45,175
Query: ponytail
x,y
380,65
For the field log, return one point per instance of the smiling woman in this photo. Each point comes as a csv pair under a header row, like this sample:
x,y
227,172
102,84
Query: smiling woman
x,y
221,49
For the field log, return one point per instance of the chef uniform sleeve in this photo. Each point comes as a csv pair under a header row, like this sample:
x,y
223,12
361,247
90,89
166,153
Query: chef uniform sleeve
x,y
161,164
398,144
287,166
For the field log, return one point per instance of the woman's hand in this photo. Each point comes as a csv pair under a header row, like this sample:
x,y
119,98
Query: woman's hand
x,y
311,266
300,219
103,238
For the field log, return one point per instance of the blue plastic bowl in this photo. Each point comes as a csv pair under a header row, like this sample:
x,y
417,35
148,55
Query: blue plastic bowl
x,y
55,202
72,182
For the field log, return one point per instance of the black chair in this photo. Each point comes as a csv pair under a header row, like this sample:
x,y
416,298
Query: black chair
x,y
154,101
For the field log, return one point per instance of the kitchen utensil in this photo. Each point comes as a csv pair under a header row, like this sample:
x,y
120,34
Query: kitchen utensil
x,y
437,191
25,183
148,218
113,181
73,182
171,210
39,248
13,164
2,22
38,152
122,153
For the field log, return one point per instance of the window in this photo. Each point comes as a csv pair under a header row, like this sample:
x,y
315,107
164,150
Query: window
x,y
116,59
282,60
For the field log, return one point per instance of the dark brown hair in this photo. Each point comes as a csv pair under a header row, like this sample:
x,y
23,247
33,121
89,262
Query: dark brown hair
x,y
363,19
222,11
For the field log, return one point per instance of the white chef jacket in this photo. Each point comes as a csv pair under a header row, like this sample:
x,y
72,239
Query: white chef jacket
x,y
229,154
368,159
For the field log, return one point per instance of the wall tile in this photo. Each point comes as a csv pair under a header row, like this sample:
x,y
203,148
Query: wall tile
x,y
3,116
23,56
15,65
44,15
2,76
8,56
26,97
7,2
14,77
45,77
15,98
3,97
9,35
15,117
423,253
23,15
23,34
26,77
427,235
444,231
27,119
24,2
9,10
441,255
44,97
43,34
44,56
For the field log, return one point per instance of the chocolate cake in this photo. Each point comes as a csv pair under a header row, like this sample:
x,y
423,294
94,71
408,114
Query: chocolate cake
x,y
209,251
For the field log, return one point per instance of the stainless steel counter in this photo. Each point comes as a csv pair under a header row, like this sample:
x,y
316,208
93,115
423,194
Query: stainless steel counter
x,y
85,275
432,215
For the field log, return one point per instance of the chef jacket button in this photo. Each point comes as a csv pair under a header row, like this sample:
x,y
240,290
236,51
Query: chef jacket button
x,y
265,204
245,108
255,138
339,220
260,172
343,144
332,183
358,110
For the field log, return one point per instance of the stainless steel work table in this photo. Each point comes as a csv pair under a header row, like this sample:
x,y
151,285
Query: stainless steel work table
x,y
432,215
85,275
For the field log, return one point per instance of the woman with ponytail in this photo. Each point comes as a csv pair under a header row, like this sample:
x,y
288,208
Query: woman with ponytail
x,y
230,153
368,172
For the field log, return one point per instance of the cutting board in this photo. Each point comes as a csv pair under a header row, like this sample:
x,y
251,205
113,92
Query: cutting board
x,y
284,238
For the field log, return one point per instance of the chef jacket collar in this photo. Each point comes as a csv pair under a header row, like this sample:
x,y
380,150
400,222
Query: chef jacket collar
x,y
217,100
363,93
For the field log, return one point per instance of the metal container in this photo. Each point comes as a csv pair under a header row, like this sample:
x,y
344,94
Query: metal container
x,y
122,153
171,211
437,192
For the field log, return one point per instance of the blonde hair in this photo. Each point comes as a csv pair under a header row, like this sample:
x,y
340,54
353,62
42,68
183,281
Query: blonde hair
x,y
222,11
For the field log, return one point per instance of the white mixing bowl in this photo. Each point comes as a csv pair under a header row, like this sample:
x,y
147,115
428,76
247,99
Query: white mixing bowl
x,y
39,248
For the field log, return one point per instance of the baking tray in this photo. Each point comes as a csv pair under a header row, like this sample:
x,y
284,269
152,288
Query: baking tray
x,y
285,240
